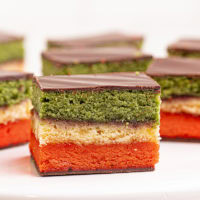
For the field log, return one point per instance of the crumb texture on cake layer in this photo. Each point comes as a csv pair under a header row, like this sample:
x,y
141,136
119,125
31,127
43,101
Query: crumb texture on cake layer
x,y
11,50
190,105
74,157
98,106
14,90
49,68
179,125
179,86
14,133
12,66
53,131
15,112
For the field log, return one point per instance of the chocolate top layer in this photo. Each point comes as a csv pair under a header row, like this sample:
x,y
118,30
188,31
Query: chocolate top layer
x,y
195,40
10,75
5,37
96,40
93,55
187,45
175,67
97,82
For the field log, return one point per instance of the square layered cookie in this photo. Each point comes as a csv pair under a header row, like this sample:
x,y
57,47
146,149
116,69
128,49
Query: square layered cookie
x,y
11,52
103,123
179,79
105,40
15,106
94,60
187,47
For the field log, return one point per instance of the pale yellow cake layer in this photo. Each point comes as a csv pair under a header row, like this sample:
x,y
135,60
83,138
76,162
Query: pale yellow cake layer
x,y
15,112
12,66
52,131
182,105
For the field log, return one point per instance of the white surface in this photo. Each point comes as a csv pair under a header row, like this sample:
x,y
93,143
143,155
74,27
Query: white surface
x,y
177,177
161,21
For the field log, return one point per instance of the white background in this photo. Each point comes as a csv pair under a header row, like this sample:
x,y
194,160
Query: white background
x,y
161,21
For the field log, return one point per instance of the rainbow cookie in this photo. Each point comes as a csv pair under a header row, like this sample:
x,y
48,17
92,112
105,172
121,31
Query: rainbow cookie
x,y
104,40
94,60
180,92
11,52
15,106
186,47
102,123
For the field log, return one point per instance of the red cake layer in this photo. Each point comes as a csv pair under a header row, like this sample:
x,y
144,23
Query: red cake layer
x,y
179,125
73,157
14,133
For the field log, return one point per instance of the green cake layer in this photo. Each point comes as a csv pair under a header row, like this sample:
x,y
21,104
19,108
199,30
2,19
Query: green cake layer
x,y
98,106
13,92
11,51
181,53
50,68
178,86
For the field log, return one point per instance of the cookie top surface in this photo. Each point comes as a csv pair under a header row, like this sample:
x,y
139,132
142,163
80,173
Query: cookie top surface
x,y
11,75
188,45
93,55
175,67
118,81
96,40
6,37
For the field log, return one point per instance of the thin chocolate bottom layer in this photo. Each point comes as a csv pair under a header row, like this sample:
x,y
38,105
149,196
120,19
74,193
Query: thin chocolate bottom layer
x,y
177,139
100,171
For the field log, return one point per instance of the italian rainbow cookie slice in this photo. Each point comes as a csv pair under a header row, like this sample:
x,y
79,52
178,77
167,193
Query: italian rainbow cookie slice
x,y
11,52
114,39
15,106
186,47
101,123
179,79
94,60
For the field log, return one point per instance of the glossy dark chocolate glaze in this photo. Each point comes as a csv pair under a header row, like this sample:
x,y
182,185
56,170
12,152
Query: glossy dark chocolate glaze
x,y
11,75
97,82
93,55
186,45
96,40
174,67
6,37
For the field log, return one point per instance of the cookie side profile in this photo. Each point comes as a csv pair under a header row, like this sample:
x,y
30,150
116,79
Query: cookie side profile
x,y
11,52
180,92
104,40
101,123
15,106
94,60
